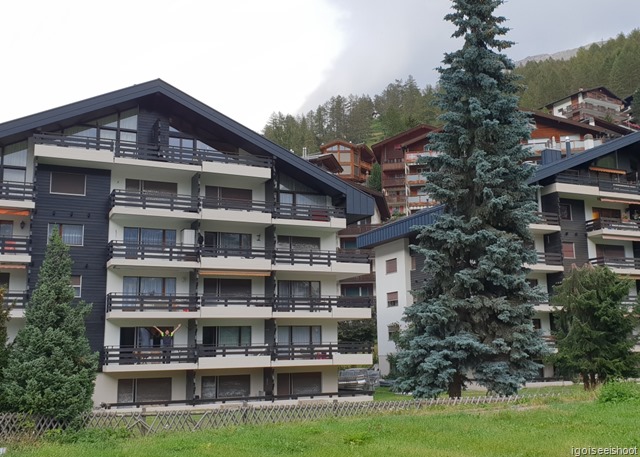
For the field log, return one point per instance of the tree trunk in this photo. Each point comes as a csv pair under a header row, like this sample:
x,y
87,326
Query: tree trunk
x,y
585,381
455,386
593,380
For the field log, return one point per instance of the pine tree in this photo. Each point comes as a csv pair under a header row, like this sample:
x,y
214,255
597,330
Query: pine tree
x,y
473,315
51,368
595,326
374,181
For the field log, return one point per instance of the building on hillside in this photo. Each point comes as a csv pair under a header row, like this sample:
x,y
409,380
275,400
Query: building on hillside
x,y
589,208
355,160
179,218
401,176
586,104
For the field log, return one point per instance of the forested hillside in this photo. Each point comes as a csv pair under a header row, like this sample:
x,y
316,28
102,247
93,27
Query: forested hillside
x,y
403,104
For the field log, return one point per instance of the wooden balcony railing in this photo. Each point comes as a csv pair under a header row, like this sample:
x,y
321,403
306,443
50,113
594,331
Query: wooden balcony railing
x,y
548,218
313,213
630,263
612,223
154,152
16,191
236,300
248,253
15,245
307,351
16,299
549,258
146,200
224,351
139,251
294,257
323,303
394,182
117,355
236,204
140,302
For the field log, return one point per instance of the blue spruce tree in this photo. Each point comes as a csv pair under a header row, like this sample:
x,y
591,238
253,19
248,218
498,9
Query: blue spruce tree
x,y
473,316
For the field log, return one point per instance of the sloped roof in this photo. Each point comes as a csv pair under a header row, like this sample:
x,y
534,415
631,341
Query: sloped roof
x,y
568,122
599,88
358,203
584,157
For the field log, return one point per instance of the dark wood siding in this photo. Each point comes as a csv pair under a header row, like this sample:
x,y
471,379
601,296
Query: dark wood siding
x,y
574,231
89,260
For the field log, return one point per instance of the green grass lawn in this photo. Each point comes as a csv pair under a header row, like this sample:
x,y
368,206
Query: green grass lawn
x,y
529,429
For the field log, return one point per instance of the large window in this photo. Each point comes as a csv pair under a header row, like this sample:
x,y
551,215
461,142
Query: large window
x,y
295,193
231,335
13,162
238,244
6,229
115,127
227,287
134,285
568,250
151,187
302,289
236,386
299,383
299,334
71,234
148,236
144,390
298,243
392,299
68,183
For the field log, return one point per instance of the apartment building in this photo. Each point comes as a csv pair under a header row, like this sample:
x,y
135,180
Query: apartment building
x,y
589,209
585,104
355,160
210,255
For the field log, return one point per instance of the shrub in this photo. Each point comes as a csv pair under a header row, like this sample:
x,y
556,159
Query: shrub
x,y
619,391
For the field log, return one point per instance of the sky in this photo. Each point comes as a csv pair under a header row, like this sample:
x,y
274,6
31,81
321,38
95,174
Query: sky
x,y
251,58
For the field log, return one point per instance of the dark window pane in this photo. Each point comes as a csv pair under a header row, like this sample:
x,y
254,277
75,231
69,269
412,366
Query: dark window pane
x,y
234,386
67,183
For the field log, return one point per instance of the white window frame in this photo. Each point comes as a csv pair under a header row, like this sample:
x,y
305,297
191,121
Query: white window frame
x,y
59,228
78,287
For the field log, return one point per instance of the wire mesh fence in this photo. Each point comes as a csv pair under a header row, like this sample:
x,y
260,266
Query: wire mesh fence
x,y
20,426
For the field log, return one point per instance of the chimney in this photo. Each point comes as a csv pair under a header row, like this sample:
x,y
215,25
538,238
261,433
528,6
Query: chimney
x,y
588,141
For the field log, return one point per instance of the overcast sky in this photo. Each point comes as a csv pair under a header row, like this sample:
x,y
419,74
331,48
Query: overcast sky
x,y
250,58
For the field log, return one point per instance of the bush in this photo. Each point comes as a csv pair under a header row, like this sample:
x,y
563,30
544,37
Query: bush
x,y
619,391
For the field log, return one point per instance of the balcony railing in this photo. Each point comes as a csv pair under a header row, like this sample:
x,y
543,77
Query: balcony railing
x,y
294,257
248,300
604,181
150,200
247,253
393,165
15,245
625,263
154,152
548,218
139,251
305,351
313,213
224,351
549,258
144,355
612,224
140,302
16,299
236,204
394,182
358,229
16,191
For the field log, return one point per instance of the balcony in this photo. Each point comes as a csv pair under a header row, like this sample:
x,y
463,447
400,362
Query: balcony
x,y
396,200
394,182
344,261
619,265
420,201
15,249
235,258
389,166
17,195
236,306
613,229
129,203
251,356
129,305
547,223
50,147
16,301
235,210
601,184
305,354
126,254
547,262
127,359
288,214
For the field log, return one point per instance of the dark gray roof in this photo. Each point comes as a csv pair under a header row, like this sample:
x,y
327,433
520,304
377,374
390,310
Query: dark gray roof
x,y
358,203
402,228
584,157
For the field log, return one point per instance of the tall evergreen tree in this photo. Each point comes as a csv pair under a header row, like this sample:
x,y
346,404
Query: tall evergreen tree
x,y
374,181
595,326
474,313
51,368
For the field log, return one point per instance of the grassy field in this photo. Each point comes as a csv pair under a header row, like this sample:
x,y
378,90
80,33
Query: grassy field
x,y
538,428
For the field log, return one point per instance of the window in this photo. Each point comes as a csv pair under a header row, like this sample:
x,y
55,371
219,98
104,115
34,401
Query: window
x,y
299,383
392,299
357,290
393,331
6,229
71,234
217,196
147,236
227,287
151,187
117,126
76,283
348,243
134,285
235,386
302,289
68,183
565,212
299,334
226,336
413,263
537,324
610,251
151,389
392,265
568,250
298,243
233,244
13,162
